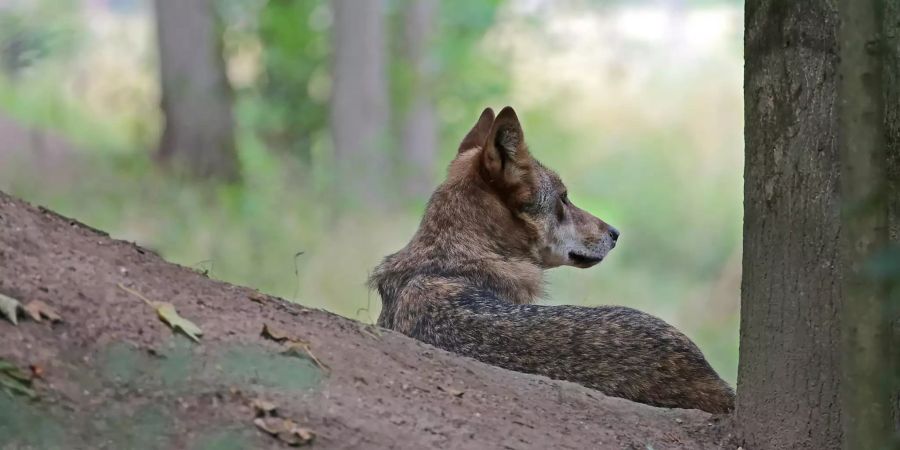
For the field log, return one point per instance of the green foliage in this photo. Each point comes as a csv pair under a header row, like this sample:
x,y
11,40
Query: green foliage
x,y
460,68
461,77
33,34
468,77
295,38
671,3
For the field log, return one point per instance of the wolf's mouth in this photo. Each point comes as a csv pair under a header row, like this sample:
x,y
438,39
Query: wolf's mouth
x,y
583,261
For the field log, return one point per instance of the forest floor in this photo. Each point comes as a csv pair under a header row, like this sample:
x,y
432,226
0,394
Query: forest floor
x,y
111,374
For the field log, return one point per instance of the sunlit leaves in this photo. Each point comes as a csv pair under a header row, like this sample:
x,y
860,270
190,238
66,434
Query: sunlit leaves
x,y
9,308
167,313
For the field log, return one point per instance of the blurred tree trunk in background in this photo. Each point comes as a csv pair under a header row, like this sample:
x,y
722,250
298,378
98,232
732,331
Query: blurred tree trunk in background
x,y
891,83
815,358
196,96
420,128
295,52
869,368
359,101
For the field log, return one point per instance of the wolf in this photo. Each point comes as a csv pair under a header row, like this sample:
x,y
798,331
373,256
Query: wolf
x,y
468,280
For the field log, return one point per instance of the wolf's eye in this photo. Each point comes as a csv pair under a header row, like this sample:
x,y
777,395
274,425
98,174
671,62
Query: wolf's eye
x,y
564,197
560,208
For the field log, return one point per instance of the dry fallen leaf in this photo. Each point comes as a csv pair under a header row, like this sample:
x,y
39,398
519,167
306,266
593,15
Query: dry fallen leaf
x,y
167,313
38,310
452,391
295,345
277,335
305,434
270,425
36,371
285,430
9,308
302,350
264,408
455,392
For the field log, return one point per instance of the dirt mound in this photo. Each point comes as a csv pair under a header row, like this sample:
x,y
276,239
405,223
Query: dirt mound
x,y
113,375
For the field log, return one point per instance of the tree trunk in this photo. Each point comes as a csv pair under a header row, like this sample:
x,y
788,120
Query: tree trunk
x,y
891,84
420,118
804,164
196,96
359,110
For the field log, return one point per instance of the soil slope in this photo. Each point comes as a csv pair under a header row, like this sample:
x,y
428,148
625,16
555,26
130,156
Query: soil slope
x,y
113,375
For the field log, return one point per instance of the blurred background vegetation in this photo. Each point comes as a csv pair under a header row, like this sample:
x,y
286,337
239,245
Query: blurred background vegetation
x,y
289,145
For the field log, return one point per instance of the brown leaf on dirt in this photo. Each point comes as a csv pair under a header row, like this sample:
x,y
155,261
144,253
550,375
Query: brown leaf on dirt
x,y
38,310
264,408
36,371
305,434
452,391
9,308
167,313
302,350
285,430
277,335
270,425
295,346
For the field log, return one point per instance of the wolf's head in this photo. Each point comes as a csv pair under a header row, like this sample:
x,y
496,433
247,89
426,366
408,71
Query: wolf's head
x,y
521,200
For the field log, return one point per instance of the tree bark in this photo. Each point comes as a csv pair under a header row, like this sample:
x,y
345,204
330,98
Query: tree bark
x,y
788,368
196,96
360,108
420,127
814,142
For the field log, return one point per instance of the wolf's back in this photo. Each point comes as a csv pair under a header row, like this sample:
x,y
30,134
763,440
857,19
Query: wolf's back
x,y
619,351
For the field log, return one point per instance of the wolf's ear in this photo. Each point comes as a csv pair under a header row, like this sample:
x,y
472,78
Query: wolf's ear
x,y
479,133
505,154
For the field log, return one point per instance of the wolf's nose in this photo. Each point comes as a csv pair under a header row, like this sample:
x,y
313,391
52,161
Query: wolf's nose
x,y
614,233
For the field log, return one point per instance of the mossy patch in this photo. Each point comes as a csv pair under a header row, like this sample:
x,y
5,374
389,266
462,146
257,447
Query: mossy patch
x,y
181,365
24,425
180,368
145,427
228,439
247,364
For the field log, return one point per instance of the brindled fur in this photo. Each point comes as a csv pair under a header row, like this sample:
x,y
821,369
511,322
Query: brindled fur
x,y
467,280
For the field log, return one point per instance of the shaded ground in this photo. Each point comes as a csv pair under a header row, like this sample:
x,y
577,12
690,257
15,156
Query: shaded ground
x,y
112,375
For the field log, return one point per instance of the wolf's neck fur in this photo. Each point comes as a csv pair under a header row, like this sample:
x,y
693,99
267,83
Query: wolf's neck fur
x,y
466,234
